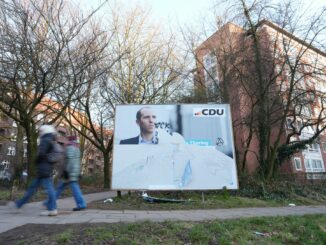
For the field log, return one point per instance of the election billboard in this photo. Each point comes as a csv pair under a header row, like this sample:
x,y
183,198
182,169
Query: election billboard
x,y
173,147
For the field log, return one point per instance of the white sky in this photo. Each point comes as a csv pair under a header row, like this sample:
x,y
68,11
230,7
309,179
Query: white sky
x,y
171,13
181,10
186,11
165,10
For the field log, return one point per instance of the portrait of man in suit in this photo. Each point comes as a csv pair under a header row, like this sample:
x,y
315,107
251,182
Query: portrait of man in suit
x,y
145,119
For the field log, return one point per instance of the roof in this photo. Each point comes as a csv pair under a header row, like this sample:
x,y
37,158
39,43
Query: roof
x,y
270,24
290,35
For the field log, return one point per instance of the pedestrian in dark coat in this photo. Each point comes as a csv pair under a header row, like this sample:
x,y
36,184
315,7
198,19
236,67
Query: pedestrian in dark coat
x,y
71,174
44,172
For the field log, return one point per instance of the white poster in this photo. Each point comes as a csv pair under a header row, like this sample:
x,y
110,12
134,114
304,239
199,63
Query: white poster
x,y
173,147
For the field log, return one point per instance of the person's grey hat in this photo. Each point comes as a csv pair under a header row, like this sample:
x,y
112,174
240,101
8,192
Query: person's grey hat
x,y
47,129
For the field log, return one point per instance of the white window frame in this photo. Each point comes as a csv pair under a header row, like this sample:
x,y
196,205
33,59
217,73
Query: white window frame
x,y
288,123
293,138
13,136
5,165
210,65
25,152
299,124
311,165
11,151
313,148
306,110
40,117
297,160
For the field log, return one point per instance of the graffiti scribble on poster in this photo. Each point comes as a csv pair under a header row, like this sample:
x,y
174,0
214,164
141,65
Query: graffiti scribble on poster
x,y
164,125
219,142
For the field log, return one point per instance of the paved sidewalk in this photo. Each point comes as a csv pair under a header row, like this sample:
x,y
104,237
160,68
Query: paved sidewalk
x,y
30,213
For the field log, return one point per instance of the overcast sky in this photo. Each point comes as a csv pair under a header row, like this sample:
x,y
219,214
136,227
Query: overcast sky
x,y
188,10
171,13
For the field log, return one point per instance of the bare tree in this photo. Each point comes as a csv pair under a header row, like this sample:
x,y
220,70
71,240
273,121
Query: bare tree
x,y
150,69
286,78
134,64
38,47
276,72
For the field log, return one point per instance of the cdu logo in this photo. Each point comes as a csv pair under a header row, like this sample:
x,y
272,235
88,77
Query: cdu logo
x,y
208,112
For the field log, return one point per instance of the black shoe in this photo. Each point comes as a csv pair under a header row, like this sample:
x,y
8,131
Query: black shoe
x,y
78,209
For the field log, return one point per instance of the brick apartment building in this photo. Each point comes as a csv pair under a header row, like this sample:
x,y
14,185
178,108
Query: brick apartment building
x,y
7,146
220,60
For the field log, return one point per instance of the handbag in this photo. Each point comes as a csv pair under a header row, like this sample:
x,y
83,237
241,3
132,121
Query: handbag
x,y
56,154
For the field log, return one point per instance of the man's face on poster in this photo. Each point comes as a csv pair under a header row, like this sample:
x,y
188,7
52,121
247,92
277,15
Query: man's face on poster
x,y
147,121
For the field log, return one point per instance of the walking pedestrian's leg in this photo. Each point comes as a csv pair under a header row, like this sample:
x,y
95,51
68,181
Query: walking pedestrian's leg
x,y
48,186
60,188
29,193
78,196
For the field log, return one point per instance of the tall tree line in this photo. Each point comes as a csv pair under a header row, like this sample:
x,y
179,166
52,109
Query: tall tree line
x,y
84,65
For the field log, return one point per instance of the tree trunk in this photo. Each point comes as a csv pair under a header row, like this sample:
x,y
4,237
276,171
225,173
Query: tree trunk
x,y
31,135
107,182
18,165
271,161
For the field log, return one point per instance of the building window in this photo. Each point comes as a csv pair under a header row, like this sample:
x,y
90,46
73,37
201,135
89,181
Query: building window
x,y
314,147
11,151
288,123
314,165
293,138
297,163
306,111
210,65
4,165
2,132
299,124
13,136
40,117
91,162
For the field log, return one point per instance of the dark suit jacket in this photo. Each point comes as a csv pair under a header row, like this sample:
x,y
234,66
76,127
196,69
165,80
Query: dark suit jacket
x,y
131,141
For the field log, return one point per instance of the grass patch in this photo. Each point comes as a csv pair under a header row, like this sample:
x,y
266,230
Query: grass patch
x,y
252,193
211,200
100,234
64,237
4,194
307,229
